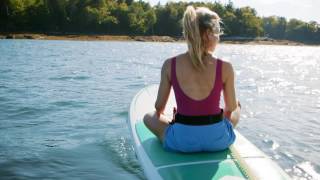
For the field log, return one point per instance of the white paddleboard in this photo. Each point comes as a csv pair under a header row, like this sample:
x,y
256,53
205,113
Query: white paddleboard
x,y
242,160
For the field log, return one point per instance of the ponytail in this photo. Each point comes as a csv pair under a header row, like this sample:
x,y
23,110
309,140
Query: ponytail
x,y
192,35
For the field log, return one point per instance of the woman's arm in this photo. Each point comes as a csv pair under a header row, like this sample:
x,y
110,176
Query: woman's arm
x,y
232,108
164,88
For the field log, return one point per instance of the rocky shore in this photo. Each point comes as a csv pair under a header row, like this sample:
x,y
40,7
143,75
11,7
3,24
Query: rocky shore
x,y
83,37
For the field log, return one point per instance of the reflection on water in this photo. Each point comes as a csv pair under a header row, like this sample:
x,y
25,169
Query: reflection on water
x,y
63,105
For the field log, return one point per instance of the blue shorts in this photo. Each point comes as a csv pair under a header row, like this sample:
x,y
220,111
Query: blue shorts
x,y
188,138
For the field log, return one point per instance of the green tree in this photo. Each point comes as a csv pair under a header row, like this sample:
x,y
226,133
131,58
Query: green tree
x,y
295,29
16,14
92,15
169,19
248,23
4,15
121,13
275,27
229,20
141,17
38,16
138,17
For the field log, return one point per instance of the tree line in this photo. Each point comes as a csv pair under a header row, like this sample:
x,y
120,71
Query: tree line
x,y
128,17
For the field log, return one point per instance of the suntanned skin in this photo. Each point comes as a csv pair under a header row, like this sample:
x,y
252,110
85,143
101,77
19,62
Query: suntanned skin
x,y
195,84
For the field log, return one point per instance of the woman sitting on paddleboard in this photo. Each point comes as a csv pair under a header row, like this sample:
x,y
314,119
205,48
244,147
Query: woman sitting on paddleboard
x,y
197,78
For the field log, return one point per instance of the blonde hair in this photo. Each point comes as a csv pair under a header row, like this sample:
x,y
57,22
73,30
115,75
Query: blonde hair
x,y
195,23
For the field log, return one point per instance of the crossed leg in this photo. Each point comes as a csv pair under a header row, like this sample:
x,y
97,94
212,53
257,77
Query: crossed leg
x,y
156,125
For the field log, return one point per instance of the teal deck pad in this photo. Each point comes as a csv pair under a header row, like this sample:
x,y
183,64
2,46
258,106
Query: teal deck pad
x,y
173,165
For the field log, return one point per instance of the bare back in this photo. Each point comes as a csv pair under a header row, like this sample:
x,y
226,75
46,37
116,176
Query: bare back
x,y
194,83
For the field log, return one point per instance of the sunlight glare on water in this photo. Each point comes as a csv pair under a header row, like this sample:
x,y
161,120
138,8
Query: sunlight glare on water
x,y
64,105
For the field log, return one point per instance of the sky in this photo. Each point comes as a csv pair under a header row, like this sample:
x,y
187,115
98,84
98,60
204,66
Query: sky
x,y
306,10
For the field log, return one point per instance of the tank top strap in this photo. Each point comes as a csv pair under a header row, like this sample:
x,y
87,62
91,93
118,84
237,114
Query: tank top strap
x,y
173,72
219,71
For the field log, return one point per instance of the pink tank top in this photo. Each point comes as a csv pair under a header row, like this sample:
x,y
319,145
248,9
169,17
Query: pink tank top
x,y
190,107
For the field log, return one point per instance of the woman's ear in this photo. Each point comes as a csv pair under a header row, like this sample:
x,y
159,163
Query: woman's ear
x,y
206,36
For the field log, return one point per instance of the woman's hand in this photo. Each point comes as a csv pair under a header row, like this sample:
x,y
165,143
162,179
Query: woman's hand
x,y
158,113
239,105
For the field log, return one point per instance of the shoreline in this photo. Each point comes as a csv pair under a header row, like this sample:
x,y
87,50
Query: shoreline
x,y
99,37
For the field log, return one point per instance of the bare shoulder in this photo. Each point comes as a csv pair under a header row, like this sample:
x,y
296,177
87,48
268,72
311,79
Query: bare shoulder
x,y
182,56
227,70
166,66
227,66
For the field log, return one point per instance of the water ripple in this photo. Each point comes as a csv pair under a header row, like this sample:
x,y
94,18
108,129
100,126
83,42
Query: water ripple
x,y
26,112
306,170
64,78
70,103
56,111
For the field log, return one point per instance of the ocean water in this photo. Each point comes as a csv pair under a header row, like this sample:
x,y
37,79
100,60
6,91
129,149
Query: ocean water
x,y
64,105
